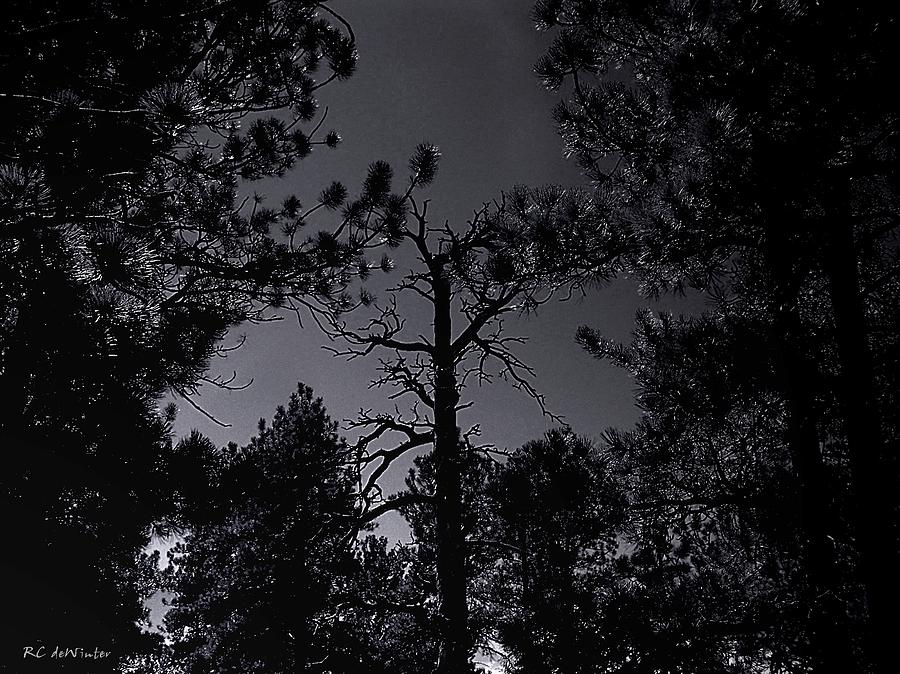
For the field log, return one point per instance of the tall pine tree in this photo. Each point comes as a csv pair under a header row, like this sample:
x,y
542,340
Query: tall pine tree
x,y
753,164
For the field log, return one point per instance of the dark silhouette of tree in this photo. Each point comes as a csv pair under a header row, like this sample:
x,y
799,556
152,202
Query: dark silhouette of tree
x,y
420,513
267,578
710,482
129,130
590,576
129,244
669,548
259,570
511,257
387,619
554,515
754,165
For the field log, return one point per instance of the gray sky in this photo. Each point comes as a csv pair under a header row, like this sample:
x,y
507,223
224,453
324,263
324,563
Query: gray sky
x,y
460,75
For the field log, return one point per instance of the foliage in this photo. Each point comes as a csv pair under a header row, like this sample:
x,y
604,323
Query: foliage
x,y
129,129
258,573
270,577
751,166
126,253
553,519
713,494
511,257
714,122
636,555
389,609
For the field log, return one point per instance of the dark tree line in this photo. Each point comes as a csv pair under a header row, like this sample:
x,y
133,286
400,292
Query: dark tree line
x,y
747,523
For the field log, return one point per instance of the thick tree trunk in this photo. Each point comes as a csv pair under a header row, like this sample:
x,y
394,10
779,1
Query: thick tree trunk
x,y
873,481
831,645
828,620
455,649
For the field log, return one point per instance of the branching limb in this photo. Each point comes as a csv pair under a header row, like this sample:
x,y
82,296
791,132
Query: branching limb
x,y
186,396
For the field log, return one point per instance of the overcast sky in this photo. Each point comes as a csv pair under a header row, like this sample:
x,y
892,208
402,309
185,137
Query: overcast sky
x,y
460,75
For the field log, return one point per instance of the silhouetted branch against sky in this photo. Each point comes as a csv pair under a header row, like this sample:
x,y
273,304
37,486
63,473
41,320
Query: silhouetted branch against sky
x,y
510,258
495,130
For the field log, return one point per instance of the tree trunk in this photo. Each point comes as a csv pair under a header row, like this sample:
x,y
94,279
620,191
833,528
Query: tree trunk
x,y
455,648
873,480
829,635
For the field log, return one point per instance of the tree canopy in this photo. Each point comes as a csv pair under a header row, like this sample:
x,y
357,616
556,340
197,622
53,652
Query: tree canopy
x,y
259,572
130,130
752,165
746,523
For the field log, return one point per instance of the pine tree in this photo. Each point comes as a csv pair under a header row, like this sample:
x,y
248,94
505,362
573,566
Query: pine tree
x,y
130,131
266,558
756,166
712,487
511,257
553,517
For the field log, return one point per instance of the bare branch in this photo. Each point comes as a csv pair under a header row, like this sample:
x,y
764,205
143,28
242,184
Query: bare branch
x,y
500,545
186,397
